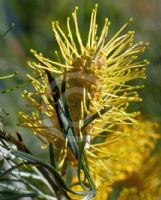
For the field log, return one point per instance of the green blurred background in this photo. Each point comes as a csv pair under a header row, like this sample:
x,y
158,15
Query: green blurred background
x,y
32,19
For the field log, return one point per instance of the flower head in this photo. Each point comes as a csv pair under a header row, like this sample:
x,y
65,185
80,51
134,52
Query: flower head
x,y
91,90
98,73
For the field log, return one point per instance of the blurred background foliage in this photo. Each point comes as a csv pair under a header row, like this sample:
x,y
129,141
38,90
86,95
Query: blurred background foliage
x,y
33,29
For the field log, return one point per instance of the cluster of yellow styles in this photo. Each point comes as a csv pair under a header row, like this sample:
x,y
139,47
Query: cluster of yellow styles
x,y
100,80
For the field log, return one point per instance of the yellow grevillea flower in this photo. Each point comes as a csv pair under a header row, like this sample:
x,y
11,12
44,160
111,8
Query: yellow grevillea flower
x,y
98,77
131,164
145,183
101,70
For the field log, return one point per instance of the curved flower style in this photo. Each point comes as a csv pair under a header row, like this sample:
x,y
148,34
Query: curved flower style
x,y
90,90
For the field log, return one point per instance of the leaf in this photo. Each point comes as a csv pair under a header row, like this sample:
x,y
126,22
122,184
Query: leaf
x,y
14,196
54,88
89,196
65,104
1,162
64,99
80,160
18,86
8,76
8,30
61,108
11,169
66,127
52,156
39,162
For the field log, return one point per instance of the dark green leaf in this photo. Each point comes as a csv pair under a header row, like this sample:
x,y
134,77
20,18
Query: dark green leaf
x,y
15,196
51,154
39,162
18,86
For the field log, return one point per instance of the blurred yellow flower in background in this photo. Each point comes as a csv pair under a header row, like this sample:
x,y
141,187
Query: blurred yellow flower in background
x,y
144,183
133,163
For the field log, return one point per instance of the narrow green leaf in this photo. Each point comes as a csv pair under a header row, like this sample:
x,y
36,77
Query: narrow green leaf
x,y
65,104
11,169
14,196
1,162
52,156
7,31
18,86
63,119
41,163
8,76
80,160
89,196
